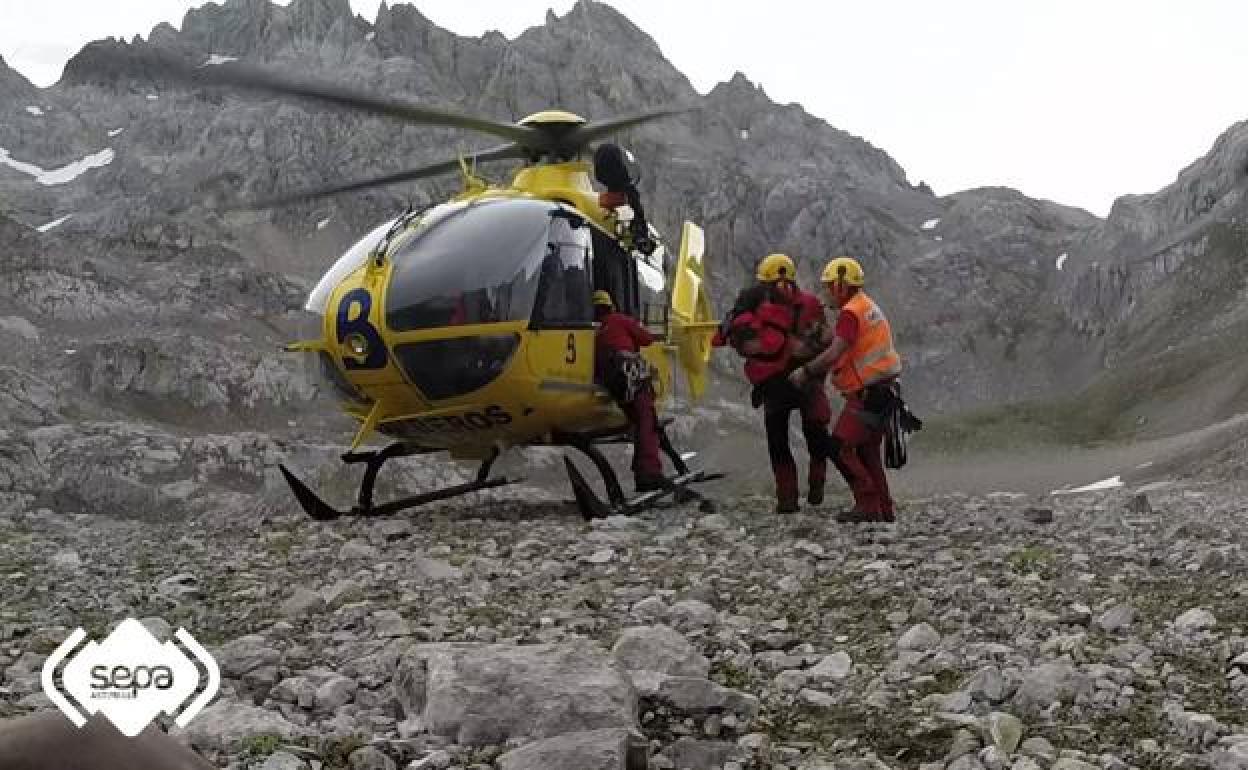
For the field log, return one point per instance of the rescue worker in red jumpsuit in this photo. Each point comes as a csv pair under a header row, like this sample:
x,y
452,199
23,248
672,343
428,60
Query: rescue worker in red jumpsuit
x,y
621,369
864,367
776,327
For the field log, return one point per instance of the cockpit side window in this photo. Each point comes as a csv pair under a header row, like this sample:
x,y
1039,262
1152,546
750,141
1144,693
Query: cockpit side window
x,y
565,286
615,273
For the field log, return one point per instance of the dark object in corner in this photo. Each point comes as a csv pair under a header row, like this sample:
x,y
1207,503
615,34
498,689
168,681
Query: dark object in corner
x,y
615,169
49,741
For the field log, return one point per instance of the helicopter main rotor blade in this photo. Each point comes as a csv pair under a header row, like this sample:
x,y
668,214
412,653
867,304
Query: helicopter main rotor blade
x,y
247,76
587,133
505,152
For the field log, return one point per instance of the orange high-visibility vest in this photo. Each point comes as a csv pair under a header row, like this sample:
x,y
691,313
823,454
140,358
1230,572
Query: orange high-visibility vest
x,y
872,357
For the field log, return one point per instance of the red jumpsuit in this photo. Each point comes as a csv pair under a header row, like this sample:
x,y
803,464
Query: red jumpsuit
x,y
775,327
858,440
622,333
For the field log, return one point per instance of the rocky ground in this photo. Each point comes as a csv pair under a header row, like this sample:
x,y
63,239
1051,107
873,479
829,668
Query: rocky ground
x,y
143,412
1103,630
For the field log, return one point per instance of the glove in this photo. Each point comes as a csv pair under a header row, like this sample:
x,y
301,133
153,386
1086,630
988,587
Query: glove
x,y
756,397
641,237
645,245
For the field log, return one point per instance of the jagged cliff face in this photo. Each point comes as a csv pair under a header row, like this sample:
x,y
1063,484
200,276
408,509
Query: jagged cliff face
x,y
972,281
1149,239
13,86
1159,291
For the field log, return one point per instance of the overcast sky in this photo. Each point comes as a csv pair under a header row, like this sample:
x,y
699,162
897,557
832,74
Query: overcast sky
x,y
1071,100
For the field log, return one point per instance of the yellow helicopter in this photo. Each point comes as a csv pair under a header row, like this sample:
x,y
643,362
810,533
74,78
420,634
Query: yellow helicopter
x,y
467,327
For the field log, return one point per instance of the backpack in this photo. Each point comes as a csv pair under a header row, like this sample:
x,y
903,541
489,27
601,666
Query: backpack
x,y
899,422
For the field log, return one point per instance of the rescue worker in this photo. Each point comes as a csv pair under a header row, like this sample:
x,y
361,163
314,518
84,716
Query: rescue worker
x,y
864,367
620,368
774,336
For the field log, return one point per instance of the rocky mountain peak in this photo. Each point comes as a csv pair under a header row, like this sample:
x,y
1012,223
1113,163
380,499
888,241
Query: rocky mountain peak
x,y
740,96
600,22
1211,186
402,30
96,64
738,85
991,206
259,28
12,83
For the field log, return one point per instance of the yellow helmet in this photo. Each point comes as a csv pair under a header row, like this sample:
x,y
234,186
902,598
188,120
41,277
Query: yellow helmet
x,y
844,270
776,267
602,298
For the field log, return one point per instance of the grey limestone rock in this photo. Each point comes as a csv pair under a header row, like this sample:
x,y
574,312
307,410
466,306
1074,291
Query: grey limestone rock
x,y
484,694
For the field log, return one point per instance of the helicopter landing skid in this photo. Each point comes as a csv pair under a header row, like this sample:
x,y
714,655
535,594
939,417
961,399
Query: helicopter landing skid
x,y
320,510
593,507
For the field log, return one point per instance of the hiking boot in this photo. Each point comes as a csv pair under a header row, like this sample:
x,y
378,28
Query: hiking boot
x,y
647,483
884,517
815,494
787,506
855,516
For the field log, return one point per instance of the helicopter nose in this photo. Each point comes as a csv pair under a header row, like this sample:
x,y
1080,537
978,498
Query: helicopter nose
x,y
330,373
457,366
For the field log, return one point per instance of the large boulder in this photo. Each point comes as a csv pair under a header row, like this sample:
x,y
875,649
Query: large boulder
x,y
481,694
659,648
1049,683
697,754
610,749
246,654
690,696
225,725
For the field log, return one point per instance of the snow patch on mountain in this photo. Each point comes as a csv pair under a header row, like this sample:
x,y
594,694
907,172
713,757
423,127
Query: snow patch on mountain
x,y
1096,486
54,223
64,173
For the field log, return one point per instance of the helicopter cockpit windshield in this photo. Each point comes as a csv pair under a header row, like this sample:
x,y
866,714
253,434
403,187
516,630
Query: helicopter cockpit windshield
x,y
347,264
494,261
355,257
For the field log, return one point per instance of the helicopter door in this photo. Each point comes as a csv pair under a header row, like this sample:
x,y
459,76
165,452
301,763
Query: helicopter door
x,y
690,322
614,273
561,342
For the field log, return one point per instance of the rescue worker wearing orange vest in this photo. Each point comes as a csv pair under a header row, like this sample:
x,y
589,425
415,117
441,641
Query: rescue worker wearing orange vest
x,y
621,369
773,328
864,365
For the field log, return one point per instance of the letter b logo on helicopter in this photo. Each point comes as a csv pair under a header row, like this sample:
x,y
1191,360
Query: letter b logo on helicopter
x,y
361,337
